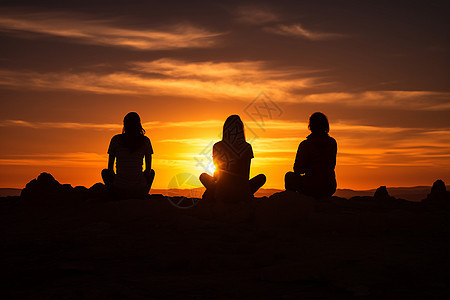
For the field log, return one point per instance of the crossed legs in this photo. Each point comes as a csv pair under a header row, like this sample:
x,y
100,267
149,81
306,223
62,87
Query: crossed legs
x,y
255,183
109,175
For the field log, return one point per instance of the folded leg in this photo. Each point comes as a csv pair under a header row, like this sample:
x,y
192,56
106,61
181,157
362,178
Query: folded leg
x,y
256,182
207,180
108,177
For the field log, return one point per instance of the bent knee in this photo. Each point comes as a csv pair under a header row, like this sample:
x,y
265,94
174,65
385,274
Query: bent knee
x,y
262,178
107,173
289,177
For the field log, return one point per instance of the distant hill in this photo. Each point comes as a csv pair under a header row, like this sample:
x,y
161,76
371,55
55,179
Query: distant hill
x,y
417,193
5,192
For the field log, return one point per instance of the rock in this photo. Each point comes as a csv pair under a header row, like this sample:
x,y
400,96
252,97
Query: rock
x,y
381,194
66,187
44,183
80,189
438,187
439,196
97,188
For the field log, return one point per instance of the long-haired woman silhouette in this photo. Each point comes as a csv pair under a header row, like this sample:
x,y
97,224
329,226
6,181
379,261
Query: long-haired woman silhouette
x,y
232,157
128,151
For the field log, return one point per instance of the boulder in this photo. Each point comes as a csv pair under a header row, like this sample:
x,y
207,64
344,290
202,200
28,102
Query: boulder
x,y
45,183
439,196
97,188
381,194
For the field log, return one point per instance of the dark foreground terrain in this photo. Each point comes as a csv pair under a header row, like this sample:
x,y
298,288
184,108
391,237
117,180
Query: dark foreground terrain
x,y
66,243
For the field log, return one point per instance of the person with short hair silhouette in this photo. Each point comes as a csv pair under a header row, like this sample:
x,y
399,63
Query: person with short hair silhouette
x,y
315,161
232,157
128,151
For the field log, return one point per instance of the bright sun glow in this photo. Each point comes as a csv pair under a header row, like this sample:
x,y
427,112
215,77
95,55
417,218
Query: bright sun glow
x,y
211,168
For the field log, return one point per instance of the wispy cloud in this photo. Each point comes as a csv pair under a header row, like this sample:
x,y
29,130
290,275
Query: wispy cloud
x,y
209,80
58,125
175,78
107,126
298,30
79,28
408,100
255,15
55,159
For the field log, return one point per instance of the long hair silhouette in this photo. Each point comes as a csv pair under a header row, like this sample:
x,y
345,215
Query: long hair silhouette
x,y
132,131
233,131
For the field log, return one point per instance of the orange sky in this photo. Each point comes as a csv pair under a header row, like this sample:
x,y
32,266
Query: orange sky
x,y
70,72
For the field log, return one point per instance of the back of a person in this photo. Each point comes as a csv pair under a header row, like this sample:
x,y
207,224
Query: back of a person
x,y
129,163
233,170
321,152
321,161
129,160
233,161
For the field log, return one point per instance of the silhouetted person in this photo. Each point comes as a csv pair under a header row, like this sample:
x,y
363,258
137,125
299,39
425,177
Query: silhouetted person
x,y
232,157
128,150
315,161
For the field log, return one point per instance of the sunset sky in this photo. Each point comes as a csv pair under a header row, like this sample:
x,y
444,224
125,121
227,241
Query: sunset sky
x,y
71,70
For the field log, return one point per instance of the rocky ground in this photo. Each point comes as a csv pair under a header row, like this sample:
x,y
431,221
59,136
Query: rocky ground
x,y
70,243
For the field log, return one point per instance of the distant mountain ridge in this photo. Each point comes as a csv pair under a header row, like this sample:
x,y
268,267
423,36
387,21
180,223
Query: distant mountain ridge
x,y
5,192
417,193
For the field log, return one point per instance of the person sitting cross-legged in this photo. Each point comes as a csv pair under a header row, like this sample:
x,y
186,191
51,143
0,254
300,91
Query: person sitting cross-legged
x,y
232,157
128,151
315,161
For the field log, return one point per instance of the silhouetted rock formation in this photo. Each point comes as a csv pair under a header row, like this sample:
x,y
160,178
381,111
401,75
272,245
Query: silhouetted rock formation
x,y
439,196
381,194
45,186
45,183
97,188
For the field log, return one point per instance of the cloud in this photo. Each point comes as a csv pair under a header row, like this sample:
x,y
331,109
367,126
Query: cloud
x,y
58,125
107,126
255,15
56,159
103,32
206,80
297,30
214,81
408,100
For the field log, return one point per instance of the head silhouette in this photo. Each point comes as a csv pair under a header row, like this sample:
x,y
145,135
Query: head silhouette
x,y
233,130
318,123
132,124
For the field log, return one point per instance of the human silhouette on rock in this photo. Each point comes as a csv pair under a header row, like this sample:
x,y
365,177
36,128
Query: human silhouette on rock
x,y
128,151
315,161
232,157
